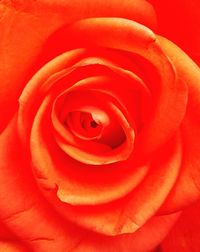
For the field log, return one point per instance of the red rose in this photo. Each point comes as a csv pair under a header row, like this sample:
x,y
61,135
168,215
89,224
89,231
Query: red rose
x,y
100,124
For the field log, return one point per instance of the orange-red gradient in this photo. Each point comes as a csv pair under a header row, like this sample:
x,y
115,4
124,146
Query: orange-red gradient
x,y
100,128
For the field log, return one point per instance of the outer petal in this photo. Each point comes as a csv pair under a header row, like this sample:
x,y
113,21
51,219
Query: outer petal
x,y
22,208
187,188
23,36
7,246
184,237
144,240
179,21
34,221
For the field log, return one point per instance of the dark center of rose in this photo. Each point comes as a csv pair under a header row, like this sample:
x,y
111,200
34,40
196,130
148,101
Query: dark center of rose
x,y
83,125
93,124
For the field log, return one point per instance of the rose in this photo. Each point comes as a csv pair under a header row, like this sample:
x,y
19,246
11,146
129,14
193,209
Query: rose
x,y
107,200
17,215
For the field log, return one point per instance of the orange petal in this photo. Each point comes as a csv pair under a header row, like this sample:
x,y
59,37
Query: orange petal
x,y
10,246
23,37
187,188
128,214
41,228
147,238
171,93
77,183
22,208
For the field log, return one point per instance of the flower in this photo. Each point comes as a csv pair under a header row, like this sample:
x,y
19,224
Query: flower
x,y
98,147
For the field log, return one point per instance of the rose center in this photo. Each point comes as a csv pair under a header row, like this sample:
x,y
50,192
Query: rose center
x,y
93,124
83,125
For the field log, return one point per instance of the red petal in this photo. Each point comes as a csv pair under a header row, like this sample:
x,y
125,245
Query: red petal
x,y
179,21
185,236
171,95
23,36
77,183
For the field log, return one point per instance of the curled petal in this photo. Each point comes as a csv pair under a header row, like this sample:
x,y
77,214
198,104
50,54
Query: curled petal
x,y
187,188
136,38
128,214
24,210
23,34
77,183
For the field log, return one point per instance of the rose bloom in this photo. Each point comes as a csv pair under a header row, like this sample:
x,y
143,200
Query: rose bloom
x,y
100,126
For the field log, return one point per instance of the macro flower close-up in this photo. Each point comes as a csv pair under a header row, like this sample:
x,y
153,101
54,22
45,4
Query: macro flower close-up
x,y
100,126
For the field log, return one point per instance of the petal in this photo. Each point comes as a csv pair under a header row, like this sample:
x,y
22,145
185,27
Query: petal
x,y
64,65
179,21
43,148
184,237
22,208
34,221
129,213
23,37
170,93
77,183
9,246
143,240
187,188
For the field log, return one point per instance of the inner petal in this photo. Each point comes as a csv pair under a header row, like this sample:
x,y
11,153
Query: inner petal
x,y
88,124
83,125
